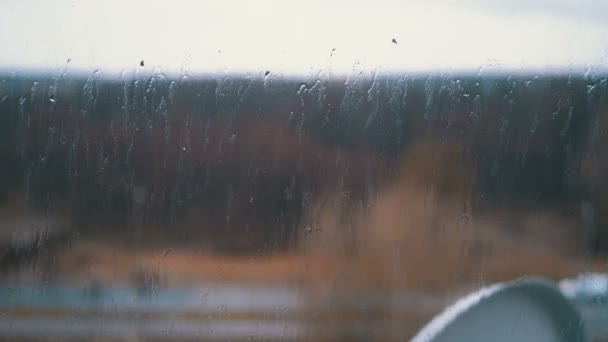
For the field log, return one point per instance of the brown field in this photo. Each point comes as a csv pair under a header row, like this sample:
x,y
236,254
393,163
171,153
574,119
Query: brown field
x,y
419,232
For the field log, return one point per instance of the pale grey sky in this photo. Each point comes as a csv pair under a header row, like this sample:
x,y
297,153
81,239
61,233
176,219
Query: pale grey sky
x,y
299,36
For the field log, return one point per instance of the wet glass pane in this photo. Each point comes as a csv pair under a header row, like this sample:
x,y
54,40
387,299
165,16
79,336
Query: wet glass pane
x,y
281,170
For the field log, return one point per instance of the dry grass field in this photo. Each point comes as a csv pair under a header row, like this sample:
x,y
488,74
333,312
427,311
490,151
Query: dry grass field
x,y
419,232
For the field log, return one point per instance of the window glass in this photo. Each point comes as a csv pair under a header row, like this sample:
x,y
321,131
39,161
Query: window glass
x,y
283,170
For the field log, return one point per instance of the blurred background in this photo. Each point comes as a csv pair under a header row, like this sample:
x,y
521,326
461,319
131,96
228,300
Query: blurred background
x,y
295,171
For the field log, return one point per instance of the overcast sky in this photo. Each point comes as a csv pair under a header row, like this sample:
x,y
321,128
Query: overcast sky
x,y
299,36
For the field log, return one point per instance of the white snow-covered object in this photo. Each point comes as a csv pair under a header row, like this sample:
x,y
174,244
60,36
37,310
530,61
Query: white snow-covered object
x,y
529,309
586,286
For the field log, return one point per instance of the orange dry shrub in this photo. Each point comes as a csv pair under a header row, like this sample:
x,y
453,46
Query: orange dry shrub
x,y
420,231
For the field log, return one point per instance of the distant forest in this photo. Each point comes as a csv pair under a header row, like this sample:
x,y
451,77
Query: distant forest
x,y
240,159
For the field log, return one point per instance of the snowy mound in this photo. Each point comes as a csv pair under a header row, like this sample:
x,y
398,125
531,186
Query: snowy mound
x,y
523,310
